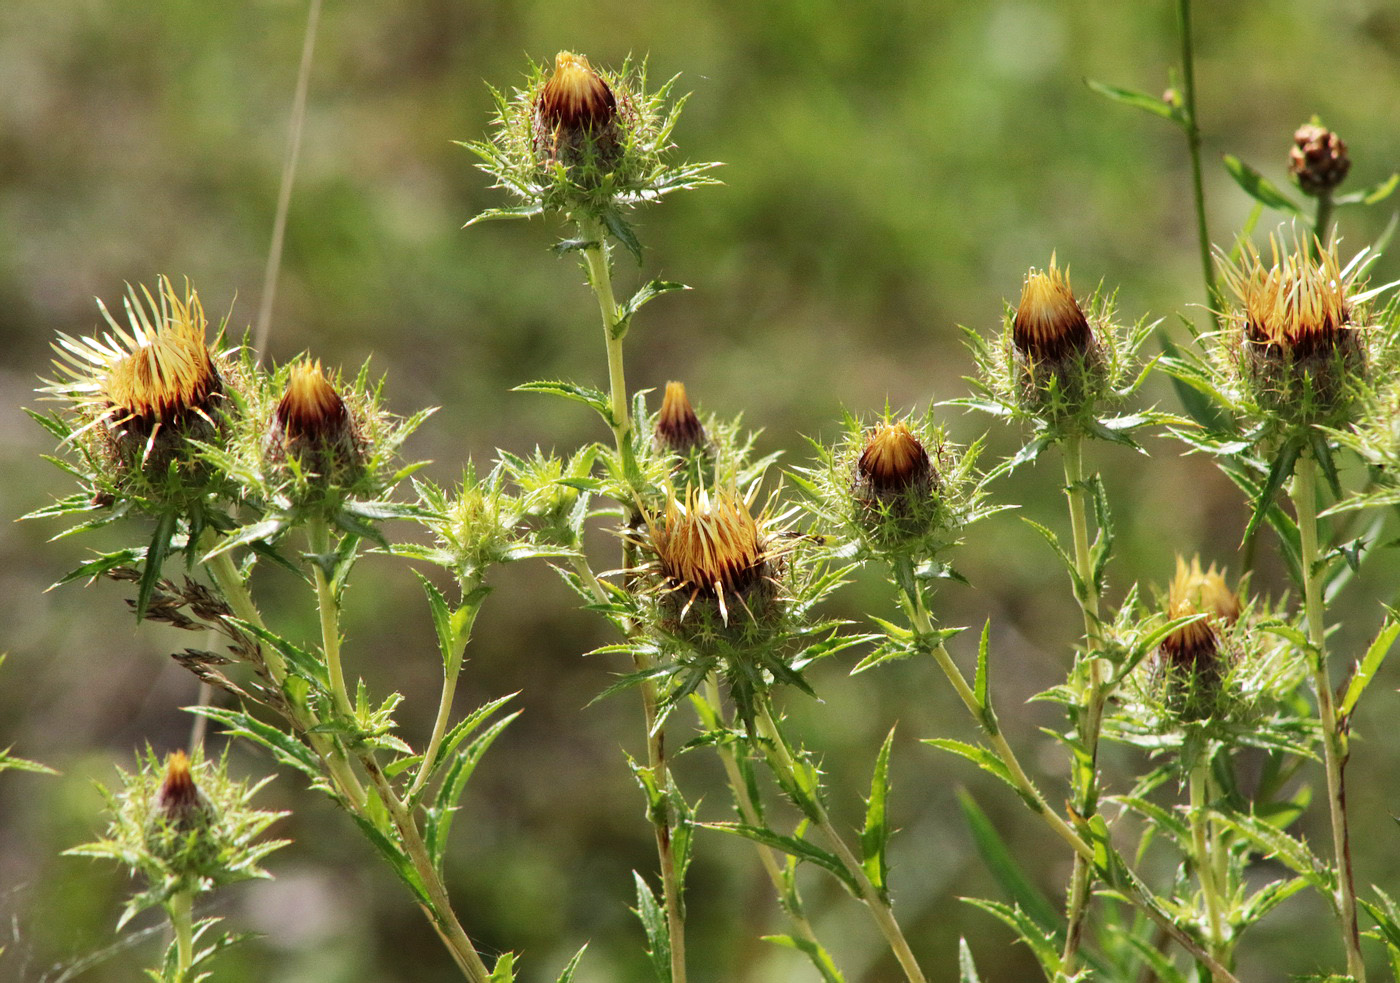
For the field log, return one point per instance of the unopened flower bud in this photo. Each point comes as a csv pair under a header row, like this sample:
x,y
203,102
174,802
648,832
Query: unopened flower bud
x,y
574,111
893,462
1049,324
178,801
1318,159
312,423
678,429
1192,656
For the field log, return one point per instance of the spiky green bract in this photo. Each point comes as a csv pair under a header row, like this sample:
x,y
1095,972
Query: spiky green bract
x,y
598,186
222,846
916,520
1255,698
1105,376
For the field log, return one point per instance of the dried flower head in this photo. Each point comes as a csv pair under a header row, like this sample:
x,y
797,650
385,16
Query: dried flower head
x,y
1049,324
143,390
313,424
893,462
710,549
1318,159
178,801
1295,319
678,429
575,109
1192,657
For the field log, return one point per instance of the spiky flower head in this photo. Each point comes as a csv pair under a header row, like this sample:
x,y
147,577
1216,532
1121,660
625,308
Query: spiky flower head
x,y
893,462
313,425
1294,315
179,802
575,113
141,390
1318,159
678,428
1193,659
1049,325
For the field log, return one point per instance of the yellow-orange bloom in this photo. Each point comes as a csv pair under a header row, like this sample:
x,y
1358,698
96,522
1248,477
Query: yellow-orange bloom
x,y
1297,305
1194,647
678,429
573,105
893,460
1049,323
178,800
711,547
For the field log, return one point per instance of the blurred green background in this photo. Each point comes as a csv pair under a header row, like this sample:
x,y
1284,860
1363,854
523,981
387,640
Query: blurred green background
x,y
893,168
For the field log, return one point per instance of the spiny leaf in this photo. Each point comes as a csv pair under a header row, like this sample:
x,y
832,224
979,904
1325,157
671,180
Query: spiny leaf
x,y
876,834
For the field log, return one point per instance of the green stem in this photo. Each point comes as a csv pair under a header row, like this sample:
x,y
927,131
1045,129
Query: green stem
x,y
781,758
328,608
596,259
1193,146
181,910
439,907
1320,223
1204,861
451,670
772,865
1304,494
1086,773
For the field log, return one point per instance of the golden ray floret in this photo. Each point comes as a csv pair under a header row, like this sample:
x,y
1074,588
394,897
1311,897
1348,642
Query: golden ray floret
x,y
1298,302
710,546
893,459
1049,323
1194,591
574,104
678,429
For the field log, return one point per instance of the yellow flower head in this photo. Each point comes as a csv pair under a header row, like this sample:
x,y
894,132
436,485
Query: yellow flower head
x,y
893,460
178,800
575,104
1298,304
1049,323
1194,646
678,429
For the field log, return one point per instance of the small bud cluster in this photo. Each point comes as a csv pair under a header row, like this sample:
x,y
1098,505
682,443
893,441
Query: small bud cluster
x,y
1318,159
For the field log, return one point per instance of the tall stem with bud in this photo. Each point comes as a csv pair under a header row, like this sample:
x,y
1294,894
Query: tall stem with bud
x,y
1304,494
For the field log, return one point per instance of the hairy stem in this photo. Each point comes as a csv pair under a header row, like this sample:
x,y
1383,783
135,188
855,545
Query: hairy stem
x,y
1193,147
769,858
1204,861
596,259
1091,714
1304,494
781,758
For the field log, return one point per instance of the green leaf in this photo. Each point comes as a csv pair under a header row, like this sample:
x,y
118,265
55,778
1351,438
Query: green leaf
x,y
257,532
1162,967
1002,864
628,308
1279,471
567,975
876,833
107,561
579,394
622,231
653,921
985,760
496,214
821,959
1366,669
286,749
967,969
1376,193
1046,951
397,859
454,783
442,623
10,763
504,970
1260,188
155,560
981,682
303,663
1138,100
793,847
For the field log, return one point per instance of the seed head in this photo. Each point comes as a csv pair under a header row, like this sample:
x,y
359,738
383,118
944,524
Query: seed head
x,y
1049,323
1318,159
574,108
312,423
144,388
711,548
893,461
178,800
678,429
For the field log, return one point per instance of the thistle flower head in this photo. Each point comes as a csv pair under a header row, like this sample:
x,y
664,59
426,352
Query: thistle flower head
x,y
313,424
893,461
1049,323
178,801
678,429
574,107
142,388
1318,159
1193,657
710,549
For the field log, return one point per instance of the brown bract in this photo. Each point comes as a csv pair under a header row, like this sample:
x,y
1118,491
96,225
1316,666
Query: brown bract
x,y
178,800
313,424
678,429
893,460
711,548
574,106
1049,323
1194,648
1318,159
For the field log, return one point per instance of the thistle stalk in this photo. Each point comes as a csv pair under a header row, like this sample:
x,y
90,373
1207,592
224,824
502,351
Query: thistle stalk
x,y
1205,862
1193,147
450,674
328,610
1304,494
596,259
181,909
1086,772
781,758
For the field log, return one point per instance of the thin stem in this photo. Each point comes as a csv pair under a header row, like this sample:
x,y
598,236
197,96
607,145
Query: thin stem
x,y
284,192
181,910
1320,222
1193,146
769,858
439,909
1304,494
1086,773
781,758
600,279
328,609
1204,859
451,670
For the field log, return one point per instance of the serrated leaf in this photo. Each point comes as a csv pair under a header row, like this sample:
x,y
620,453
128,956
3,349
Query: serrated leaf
x,y
257,532
967,969
622,231
1260,188
579,394
567,975
1376,193
286,749
648,291
1368,666
504,970
821,959
496,214
101,564
876,833
981,757
454,783
1046,952
155,560
1279,470
1138,100
793,847
658,934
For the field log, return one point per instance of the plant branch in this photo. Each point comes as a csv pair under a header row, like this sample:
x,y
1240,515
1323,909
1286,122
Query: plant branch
x,y
1193,146
1204,860
181,909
